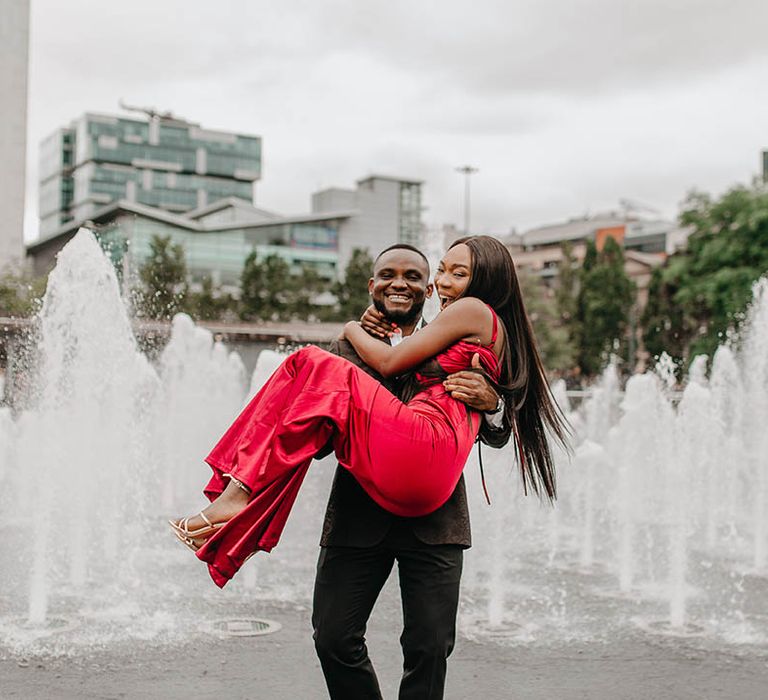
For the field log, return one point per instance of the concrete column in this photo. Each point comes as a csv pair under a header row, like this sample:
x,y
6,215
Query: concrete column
x,y
14,49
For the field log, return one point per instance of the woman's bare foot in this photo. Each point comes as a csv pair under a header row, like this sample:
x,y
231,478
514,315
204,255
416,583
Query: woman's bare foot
x,y
195,530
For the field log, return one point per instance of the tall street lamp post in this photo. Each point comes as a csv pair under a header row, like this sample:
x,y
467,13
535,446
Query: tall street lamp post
x,y
466,171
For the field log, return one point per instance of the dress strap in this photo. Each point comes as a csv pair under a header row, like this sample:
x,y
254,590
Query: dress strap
x,y
495,332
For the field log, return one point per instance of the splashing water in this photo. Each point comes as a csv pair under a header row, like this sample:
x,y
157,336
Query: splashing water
x,y
663,511
661,523
79,450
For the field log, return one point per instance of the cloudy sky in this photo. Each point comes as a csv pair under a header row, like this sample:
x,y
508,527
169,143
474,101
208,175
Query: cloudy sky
x,y
565,106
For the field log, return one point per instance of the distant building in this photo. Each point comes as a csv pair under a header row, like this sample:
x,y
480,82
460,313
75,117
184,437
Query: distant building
x,y
645,236
218,237
388,211
14,50
646,244
765,166
160,161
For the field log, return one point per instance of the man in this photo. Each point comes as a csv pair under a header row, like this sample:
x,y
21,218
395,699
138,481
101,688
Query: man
x,y
361,541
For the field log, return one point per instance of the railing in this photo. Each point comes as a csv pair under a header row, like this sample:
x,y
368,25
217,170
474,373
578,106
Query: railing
x,y
280,333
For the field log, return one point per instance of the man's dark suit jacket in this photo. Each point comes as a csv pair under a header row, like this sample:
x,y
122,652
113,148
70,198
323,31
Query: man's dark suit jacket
x,y
354,519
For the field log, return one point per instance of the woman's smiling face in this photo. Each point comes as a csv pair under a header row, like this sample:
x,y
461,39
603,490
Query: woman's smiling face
x,y
453,274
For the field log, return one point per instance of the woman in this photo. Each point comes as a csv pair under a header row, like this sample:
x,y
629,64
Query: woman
x,y
314,396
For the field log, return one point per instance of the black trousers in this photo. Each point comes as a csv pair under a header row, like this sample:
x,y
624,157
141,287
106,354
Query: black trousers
x,y
348,582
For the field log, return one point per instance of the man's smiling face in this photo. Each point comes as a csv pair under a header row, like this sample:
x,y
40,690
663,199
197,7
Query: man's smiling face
x,y
400,284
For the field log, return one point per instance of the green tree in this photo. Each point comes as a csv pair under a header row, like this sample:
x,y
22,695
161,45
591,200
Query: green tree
x,y
577,326
567,290
665,328
164,279
555,345
209,303
567,296
352,293
265,288
727,251
304,293
604,304
20,294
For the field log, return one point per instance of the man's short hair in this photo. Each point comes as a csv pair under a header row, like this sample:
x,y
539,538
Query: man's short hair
x,y
402,246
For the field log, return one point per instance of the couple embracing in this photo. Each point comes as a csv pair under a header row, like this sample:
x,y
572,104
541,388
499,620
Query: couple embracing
x,y
402,417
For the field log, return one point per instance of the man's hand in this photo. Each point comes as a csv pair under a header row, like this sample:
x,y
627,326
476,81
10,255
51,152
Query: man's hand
x,y
472,388
375,323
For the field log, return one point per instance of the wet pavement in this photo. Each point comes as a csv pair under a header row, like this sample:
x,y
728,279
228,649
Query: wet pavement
x,y
283,665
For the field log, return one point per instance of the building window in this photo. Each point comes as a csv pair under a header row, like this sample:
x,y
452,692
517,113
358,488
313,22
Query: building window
x,y
410,213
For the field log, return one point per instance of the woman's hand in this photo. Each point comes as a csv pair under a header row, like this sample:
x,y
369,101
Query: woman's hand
x,y
375,323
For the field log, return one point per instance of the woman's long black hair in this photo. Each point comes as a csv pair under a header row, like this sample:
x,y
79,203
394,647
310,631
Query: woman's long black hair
x,y
530,407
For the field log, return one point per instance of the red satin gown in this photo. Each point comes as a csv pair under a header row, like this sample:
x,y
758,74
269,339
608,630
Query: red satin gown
x,y
407,457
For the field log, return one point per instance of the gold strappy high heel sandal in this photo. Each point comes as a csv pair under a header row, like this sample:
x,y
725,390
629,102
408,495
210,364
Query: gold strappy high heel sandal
x,y
188,537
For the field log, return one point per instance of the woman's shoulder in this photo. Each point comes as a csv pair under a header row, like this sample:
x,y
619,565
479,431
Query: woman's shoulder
x,y
470,305
470,315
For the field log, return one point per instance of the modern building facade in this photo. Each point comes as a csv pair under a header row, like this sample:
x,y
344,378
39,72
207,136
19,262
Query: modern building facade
x,y
764,163
14,50
161,162
219,237
643,235
646,244
388,210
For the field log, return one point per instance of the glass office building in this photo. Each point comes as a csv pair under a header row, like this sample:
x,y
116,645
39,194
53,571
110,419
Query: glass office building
x,y
161,162
218,238
409,210
213,247
387,211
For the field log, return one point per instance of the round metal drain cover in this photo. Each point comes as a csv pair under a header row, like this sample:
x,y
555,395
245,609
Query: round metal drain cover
x,y
501,631
664,627
51,625
242,627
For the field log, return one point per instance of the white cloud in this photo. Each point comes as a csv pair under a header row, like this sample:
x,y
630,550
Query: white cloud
x,y
565,105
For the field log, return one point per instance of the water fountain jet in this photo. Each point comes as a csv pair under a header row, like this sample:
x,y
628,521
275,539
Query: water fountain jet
x,y
661,511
